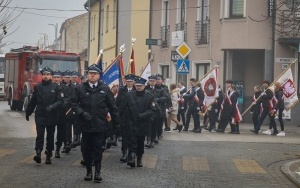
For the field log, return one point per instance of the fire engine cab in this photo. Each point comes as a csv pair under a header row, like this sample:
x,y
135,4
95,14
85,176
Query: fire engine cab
x,y
23,66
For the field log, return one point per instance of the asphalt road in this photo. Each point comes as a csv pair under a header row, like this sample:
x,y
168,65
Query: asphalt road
x,y
179,160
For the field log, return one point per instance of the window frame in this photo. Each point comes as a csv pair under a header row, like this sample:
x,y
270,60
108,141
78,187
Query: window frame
x,y
231,15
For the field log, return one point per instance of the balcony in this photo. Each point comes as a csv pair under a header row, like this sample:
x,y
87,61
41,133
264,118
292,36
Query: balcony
x,y
202,32
182,27
165,36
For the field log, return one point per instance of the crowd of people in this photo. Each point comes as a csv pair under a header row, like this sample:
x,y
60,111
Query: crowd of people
x,y
134,114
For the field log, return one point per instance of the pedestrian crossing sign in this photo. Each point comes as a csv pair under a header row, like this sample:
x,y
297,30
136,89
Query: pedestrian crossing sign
x,y
183,66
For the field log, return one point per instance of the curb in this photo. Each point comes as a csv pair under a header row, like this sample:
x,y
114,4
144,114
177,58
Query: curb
x,y
293,176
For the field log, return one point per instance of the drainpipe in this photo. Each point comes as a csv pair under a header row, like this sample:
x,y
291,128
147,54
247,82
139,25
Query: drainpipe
x,y
89,32
117,29
150,28
99,34
273,41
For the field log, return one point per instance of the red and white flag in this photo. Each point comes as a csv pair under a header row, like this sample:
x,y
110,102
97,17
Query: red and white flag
x,y
209,85
289,89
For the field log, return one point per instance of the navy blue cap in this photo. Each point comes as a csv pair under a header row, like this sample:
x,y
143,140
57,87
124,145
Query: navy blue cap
x,y
47,70
140,81
67,74
75,74
130,77
94,68
159,76
57,73
152,77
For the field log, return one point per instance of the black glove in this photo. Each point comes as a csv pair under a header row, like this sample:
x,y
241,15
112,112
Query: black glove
x,y
27,117
86,116
49,108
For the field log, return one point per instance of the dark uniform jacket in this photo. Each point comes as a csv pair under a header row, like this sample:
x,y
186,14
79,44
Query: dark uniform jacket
x,y
265,98
45,93
141,108
280,99
189,97
182,103
226,106
97,102
200,96
69,91
160,97
255,109
216,106
121,97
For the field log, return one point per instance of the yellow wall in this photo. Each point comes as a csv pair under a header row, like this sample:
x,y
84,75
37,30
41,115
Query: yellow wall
x,y
109,37
93,54
140,31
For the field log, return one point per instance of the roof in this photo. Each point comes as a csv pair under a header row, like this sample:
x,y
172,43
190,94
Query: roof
x,y
92,3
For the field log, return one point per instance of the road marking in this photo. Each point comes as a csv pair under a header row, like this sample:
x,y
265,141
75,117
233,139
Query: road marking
x,y
195,164
4,152
104,158
150,161
15,114
248,166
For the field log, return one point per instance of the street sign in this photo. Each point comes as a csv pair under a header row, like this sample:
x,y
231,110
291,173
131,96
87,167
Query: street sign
x,y
183,50
151,41
284,60
183,66
175,56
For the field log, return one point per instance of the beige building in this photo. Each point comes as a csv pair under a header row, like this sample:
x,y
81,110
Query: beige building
x,y
115,22
228,33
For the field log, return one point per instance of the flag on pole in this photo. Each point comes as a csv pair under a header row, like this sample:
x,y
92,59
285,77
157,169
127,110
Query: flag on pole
x,y
209,85
111,74
289,90
132,63
147,71
119,63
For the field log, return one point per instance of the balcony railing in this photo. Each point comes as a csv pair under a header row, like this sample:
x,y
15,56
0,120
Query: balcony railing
x,y
182,27
165,36
202,32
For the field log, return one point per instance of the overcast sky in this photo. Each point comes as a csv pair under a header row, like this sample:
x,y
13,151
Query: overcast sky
x,y
33,22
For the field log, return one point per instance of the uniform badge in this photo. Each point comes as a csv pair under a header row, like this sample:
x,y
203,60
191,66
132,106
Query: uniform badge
x,y
153,104
62,94
87,93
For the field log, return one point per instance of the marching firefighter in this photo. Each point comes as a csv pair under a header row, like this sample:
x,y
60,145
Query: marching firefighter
x,y
91,103
46,99
124,117
140,107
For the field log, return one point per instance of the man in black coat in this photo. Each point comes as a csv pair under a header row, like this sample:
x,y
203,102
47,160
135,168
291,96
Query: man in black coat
x,y
189,98
124,115
46,99
93,100
141,108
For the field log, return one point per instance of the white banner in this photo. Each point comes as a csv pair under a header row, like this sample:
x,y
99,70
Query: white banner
x,y
210,85
147,72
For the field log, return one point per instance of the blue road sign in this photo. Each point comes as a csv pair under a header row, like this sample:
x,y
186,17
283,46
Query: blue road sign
x,y
183,66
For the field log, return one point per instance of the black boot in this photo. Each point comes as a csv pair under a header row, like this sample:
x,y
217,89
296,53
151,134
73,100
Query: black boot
x,y
57,152
82,162
97,177
77,141
124,157
114,141
37,157
131,159
48,157
89,173
139,162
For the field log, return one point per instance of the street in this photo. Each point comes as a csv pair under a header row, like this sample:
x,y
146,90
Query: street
x,y
179,160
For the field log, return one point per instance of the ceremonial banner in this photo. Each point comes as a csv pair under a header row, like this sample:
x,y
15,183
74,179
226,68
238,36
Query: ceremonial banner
x,y
111,75
132,63
209,85
147,71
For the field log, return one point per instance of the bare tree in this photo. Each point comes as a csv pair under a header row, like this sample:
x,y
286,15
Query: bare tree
x,y
7,18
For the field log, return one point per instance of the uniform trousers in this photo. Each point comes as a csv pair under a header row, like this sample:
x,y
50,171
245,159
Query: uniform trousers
x,y
39,141
192,112
91,147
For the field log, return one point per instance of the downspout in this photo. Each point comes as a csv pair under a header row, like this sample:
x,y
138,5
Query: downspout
x,y
273,41
89,31
117,28
99,34
150,28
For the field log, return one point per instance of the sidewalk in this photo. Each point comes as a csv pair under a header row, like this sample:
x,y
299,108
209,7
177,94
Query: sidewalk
x,y
292,171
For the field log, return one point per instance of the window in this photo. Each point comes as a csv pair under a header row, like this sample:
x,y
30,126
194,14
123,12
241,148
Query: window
x,y
165,29
201,70
181,21
115,14
182,78
236,9
165,71
107,17
202,23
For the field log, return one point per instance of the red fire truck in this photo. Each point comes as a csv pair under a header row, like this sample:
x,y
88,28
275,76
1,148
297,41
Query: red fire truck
x,y
23,67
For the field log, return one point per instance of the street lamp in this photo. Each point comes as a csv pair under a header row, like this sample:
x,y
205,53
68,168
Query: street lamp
x,y
55,26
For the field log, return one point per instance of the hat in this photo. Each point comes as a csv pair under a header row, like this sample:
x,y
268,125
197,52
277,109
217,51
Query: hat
x,y
57,73
46,70
67,74
140,81
94,68
152,77
130,77
159,76
74,74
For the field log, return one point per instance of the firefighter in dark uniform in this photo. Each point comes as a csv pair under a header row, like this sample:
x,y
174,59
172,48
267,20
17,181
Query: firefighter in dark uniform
x,y
141,108
76,130
93,100
46,99
160,97
125,114
61,120
68,90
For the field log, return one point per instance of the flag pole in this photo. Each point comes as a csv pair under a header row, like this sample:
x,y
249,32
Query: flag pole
x,y
271,84
293,104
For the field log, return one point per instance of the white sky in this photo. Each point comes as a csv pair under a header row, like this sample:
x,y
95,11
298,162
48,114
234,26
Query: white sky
x,y
30,25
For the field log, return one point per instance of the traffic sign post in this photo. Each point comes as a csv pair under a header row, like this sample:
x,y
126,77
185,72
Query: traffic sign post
x,y
151,41
183,50
183,66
